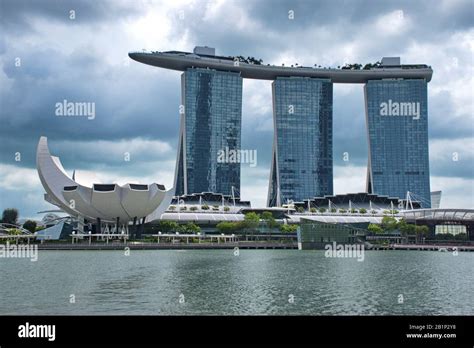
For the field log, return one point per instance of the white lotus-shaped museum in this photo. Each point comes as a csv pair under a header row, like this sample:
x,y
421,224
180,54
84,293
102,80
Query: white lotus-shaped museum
x,y
102,202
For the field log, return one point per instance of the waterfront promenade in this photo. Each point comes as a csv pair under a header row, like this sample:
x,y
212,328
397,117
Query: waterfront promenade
x,y
239,245
166,246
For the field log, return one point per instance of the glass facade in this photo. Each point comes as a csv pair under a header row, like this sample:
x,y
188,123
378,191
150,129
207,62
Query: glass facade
x,y
302,146
452,229
211,123
316,235
397,125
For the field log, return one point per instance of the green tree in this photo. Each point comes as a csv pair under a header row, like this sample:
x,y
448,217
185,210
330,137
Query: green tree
x,y
300,210
227,227
368,66
376,229
355,66
193,208
405,228
389,223
460,236
445,236
269,219
421,231
312,210
168,226
390,212
30,225
189,228
13,231
288,228
363,211
322,210
333,210
194,228
172,208
226,208
251,221
266,215
204,207
10,216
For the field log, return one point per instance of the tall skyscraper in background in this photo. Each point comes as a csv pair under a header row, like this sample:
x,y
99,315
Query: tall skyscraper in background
x,y
210,122
302,144
397,126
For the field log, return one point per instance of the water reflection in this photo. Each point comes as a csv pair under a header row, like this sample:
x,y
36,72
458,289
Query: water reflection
x,y
255,282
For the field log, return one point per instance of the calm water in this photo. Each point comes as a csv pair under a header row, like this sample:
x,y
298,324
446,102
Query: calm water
x,y
255,282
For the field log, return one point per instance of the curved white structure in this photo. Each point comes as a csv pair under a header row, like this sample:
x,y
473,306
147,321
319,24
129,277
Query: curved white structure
x,y
103,202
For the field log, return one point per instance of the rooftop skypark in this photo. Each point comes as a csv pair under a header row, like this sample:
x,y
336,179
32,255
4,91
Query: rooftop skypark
x,y
250,67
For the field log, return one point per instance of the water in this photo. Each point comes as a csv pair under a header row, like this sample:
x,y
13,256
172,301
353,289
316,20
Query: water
x,y
255,282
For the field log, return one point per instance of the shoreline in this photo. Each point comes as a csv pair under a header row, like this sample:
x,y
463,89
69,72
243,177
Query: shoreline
x,y
167,246
234,245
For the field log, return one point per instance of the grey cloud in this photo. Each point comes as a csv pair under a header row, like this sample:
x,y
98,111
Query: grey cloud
x,y
27,207
341,21
17,15
350,14
129,102
442,124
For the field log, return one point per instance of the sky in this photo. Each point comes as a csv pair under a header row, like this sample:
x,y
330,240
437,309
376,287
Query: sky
x,y
52,51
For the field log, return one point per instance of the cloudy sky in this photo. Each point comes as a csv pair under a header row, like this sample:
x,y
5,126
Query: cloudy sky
x,y
48,54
